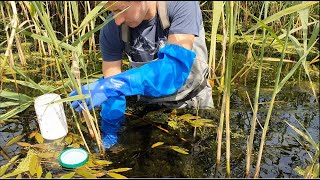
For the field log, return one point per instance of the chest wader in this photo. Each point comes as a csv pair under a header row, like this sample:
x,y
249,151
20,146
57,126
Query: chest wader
x,y
196,92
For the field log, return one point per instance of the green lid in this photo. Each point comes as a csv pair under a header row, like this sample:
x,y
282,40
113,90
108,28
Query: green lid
x,y
73,157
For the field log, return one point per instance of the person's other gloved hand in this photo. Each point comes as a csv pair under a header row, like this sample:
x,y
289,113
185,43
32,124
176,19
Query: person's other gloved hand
x,y
112,115
158,78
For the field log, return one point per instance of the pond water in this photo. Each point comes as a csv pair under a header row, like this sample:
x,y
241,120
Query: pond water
x,y
282,152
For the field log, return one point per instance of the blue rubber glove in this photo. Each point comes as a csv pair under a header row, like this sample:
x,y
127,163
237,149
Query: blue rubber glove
x,y
112,116
158,78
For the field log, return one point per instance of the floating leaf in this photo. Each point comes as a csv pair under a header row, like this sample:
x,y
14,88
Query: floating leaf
x,y
187,117
116,175
202,122
90,163
48,175
15,172
75,145
41,146
39,171
23,144
68,176
100,174
85,173
101,162
179,150
33,166
39,138
46,155
19,176
119,170
33,134
157,144
23,165
316,171
68,140
299,170
3,169
14,140
173,124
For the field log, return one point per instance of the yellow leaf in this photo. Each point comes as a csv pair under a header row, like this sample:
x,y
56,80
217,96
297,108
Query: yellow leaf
x,y
14,140
15,172
19,176
119,170
173,124
3,169
117,176
41,146
157,144
101,162
39,171
46,155
68,176
23,144
75,145
90,163
48,175
187,117
33,134
68,140
85,173
179,150
39,138
33,164
99,174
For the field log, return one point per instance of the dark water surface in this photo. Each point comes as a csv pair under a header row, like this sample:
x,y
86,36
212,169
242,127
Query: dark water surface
x,y
282,152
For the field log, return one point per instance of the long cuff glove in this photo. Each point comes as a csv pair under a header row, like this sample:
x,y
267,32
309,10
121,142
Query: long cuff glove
x,y
112,115
158,78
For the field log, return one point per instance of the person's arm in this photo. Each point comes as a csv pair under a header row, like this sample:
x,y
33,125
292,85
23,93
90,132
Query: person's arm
x,y
111,68
184,40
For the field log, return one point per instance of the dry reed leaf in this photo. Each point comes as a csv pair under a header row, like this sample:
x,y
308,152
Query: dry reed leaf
x,y
14,140
33,164
39,138
119,170
67,176
33,134
101,162
157,144
116,175
48,175
179,149
24,144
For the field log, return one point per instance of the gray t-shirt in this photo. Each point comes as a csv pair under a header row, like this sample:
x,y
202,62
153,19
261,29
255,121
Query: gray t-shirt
x,y
184,16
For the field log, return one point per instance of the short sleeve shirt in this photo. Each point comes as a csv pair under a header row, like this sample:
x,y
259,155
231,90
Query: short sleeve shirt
x,y
145,39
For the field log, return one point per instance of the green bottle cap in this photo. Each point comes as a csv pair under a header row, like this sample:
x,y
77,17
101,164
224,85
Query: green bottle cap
x,y
73,157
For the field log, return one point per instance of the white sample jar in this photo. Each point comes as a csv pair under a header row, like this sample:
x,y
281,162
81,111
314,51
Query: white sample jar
x,y
51,117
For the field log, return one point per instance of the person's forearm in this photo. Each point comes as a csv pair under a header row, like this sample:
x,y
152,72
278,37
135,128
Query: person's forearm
x,y
111,68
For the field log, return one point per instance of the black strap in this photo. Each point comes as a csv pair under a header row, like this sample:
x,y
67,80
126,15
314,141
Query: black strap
x,y
195,91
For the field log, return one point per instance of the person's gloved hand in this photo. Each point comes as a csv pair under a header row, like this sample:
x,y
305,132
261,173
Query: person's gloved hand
x,y
158,78
112,115
95,88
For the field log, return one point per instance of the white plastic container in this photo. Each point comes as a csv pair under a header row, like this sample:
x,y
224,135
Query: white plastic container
x,y
51,117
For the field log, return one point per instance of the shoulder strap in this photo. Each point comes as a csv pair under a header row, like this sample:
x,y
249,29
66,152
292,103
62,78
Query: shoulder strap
x,y
125,33
163,14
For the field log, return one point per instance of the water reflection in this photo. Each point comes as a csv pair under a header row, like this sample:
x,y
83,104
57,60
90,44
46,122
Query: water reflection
x,y
282,152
